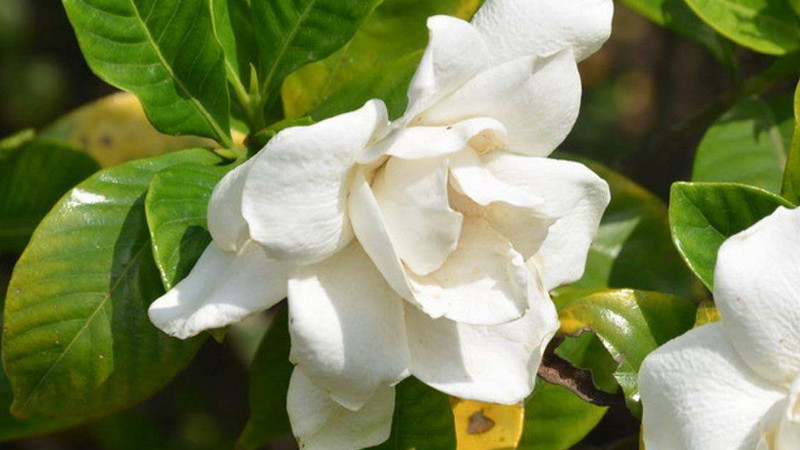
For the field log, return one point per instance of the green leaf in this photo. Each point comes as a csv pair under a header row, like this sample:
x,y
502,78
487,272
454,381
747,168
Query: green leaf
x,y
77,337
165,53
556,419
176,207
631,324
394,30
422,419
633,248
748,145
588,352
766,26
293,33
269,381
791,177
675,15
388,83
703,215
33,176
233,27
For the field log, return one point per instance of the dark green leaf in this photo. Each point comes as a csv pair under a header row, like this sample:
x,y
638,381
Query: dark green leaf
x,y
791,177
233,27
269,381
293,33
165,53
766,26
394,30
422,419
703,215
748,145
176,206
33,176
77,337
633,248
631,324
557,419
587,352
676,16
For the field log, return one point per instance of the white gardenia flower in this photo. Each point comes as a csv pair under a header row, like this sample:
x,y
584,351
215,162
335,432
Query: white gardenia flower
x,y
734,384
422,247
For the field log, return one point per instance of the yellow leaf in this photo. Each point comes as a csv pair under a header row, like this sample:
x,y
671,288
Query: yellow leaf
x,y
485,426
114,129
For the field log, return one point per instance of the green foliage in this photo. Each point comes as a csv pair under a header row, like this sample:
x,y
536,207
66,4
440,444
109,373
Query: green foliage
x,y
749,144
270,372
233,27
675,15
766,26
791,177
556,419
165,53
396,29
633,247
293,33
176,206
34,174
631,324
422,419
77,339
703,215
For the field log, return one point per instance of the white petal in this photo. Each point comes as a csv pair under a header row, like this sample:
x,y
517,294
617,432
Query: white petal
x,y
484,282
515,28
225,220
347,327
495,364
319,423
412,196
371,231
472,179
427,142
455,52
295,196
698,394
222,288
757,291
573,194
537,99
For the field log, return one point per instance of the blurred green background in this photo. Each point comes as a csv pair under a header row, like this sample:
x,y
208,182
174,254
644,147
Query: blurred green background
x,y
640,91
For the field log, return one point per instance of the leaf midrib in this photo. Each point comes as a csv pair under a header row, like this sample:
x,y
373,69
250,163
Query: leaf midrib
x,y
222,136
112,289
285,47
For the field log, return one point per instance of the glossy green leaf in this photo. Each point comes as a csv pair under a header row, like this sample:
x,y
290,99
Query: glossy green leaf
x,y
703,215
293,33
165,52
791,178
748,145
233,27
394,30
422,419
633,248
631,324
270,372
33,176
588,352
675,15
176,207
766,26
556,419
77,337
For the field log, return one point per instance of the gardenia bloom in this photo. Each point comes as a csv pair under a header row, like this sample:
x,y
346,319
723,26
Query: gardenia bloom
x,y
734,384
422,247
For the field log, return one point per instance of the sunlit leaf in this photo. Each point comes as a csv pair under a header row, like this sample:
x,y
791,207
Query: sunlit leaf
x,y
766,26
748,145
791,177
631,324
77,337
165,52
703,215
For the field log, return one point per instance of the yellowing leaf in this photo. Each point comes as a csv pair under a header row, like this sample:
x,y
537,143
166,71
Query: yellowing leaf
x,y
485,426
114,130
